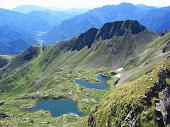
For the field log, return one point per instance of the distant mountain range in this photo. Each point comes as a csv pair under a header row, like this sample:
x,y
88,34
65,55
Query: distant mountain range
x,y
29,25
31,8
156,19
20,30
13,41
145,7
28,8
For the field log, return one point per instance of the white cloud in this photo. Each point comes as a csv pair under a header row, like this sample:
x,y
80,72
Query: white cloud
x,y
66,4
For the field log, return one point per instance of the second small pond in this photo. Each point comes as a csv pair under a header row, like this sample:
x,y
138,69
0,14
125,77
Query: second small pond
x,y
101,85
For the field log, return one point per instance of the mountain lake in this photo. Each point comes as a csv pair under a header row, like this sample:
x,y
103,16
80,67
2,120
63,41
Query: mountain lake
x,y
102,85
57,107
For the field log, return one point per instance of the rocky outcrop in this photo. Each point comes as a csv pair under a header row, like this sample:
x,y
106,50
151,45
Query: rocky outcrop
x,y
30,53
91,121
156,88
116,82
1,103
130,119
163,99
81,41
113,72
3,115
162,75
118,28
161,107
160,90
28,120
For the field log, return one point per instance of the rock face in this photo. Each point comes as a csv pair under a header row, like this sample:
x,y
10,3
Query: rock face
x,y
31,53
118,28
163,100
91,121
160,90
162,75
130,119
161,107
158,87
84,39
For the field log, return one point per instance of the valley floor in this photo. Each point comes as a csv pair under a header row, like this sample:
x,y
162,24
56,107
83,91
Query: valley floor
x,y
87,98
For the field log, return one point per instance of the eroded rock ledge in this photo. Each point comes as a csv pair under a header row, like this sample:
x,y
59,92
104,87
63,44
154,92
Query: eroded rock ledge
x,y
160,91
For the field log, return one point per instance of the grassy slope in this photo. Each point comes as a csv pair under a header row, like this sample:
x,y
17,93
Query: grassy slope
x,y
21,83
150,51
145,61
99,55
114,107
54,82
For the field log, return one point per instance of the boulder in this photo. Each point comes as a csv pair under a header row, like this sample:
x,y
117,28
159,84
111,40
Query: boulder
x,y
113,73
3,115
1,103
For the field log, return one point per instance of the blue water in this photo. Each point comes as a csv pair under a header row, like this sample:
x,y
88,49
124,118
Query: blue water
x,y
57,107
102,78
102,85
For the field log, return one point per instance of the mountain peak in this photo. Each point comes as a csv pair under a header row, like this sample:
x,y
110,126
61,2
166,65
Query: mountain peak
x,y
28,8
84,39
124,3
30,53
119,28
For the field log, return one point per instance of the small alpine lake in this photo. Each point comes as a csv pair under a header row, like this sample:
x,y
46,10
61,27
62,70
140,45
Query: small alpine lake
x,y
57,107
102,85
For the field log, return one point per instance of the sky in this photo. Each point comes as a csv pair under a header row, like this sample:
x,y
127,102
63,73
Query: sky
x,y
69,4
